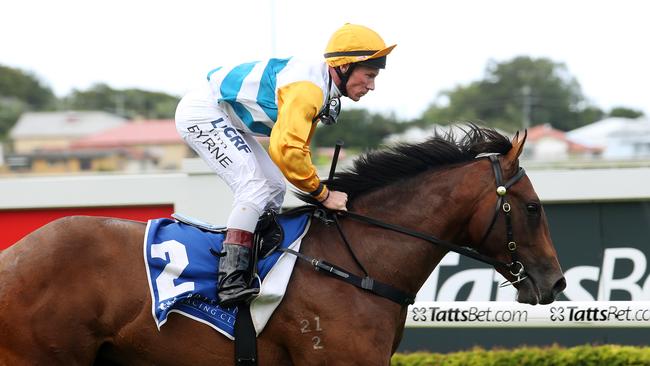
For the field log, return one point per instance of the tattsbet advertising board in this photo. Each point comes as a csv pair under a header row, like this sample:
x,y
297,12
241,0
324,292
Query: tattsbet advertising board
x,y
603,249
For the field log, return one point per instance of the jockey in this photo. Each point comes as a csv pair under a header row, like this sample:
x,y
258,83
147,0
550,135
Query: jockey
x,y
283,99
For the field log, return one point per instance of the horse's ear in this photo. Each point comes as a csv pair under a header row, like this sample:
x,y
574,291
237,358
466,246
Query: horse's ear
x,y
517,146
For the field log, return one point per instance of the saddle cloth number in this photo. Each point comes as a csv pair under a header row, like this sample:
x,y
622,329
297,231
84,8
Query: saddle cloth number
x,y
178,261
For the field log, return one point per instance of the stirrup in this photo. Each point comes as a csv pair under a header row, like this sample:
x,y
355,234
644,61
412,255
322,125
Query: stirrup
x,y
268,234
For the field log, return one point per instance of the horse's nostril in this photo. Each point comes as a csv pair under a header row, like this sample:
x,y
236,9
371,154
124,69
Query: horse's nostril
x,y
550,296
560,285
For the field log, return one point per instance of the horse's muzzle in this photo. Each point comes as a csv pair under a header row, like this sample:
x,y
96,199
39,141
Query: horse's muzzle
x,y
531,292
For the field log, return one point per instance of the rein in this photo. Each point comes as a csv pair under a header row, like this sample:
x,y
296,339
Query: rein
x,y
515,267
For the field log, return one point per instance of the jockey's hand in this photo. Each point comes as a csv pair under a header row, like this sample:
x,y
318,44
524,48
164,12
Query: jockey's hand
x,y
336,201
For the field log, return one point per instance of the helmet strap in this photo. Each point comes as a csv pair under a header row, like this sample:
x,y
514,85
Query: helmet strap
x,y
344,77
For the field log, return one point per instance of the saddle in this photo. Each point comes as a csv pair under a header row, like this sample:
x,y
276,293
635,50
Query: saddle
x,y
187,243
267,237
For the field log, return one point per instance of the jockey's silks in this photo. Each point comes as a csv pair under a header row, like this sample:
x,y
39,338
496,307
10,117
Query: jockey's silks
x,y
277,98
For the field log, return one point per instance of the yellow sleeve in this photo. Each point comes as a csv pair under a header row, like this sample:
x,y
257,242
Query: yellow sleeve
x,y
298,104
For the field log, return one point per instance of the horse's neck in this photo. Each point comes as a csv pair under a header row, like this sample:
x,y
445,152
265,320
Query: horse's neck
x,y
428,204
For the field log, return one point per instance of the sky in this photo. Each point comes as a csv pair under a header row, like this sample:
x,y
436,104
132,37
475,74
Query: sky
x,y
169,46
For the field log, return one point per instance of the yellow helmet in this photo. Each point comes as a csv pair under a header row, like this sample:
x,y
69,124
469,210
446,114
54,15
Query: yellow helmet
x,y
354,43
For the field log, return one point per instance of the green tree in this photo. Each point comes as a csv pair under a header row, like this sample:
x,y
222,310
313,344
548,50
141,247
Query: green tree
x,y
513,93
26,87
10,111
358,128
129,103
625,112
21,91
589,115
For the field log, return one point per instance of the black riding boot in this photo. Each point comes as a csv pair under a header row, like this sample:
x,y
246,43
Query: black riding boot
x,y
235,272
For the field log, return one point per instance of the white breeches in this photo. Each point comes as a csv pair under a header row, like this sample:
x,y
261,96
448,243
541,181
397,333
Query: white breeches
x,y
238,158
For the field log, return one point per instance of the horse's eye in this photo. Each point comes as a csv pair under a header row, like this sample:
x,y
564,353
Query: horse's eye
x,y
532,208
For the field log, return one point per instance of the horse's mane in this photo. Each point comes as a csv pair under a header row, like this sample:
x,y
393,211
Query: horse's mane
x,y
379,168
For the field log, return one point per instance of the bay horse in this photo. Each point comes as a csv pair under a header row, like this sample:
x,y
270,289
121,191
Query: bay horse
x,y
75,291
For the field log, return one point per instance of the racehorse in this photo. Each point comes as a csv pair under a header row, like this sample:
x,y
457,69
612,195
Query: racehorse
x,y
75,292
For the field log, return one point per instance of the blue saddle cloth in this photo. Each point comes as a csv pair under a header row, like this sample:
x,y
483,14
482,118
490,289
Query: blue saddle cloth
x,y
182,272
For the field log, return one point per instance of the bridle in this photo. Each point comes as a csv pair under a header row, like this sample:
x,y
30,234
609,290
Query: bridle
x,y
503,206
515,267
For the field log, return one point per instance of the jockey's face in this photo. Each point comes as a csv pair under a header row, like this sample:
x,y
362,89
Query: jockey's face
x,y
361,81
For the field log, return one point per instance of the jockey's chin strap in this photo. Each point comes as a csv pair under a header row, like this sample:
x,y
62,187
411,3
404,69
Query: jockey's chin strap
x,y
402,298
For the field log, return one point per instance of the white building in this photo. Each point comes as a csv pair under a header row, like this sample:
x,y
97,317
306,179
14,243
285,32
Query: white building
x,y
621,138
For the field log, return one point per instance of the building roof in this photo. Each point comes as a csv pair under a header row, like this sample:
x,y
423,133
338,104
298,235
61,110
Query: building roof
x,y
602,132
148,132
69,154
545,130
63,124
